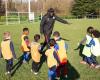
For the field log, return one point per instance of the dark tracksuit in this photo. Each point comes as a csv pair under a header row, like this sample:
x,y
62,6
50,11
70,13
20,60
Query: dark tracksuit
x,y
46,26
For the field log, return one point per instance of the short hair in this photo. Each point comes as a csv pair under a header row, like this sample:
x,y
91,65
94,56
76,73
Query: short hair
x,y
52,42
6,35
51,10
90,29
36,37
25,29
56,33
96,33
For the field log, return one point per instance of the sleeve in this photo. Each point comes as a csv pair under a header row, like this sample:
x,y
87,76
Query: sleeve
x,y
12,49
56,56
42,25
61,20
26,39
56,47
66,46
92,43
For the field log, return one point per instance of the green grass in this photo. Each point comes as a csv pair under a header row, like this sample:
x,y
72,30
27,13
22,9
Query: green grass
x,y
74,33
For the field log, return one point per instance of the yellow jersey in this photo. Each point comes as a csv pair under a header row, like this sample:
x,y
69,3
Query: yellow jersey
x,y
5,49
51,61
35,54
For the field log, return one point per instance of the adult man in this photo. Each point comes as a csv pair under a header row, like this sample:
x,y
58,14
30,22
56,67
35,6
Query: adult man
x,y
47,24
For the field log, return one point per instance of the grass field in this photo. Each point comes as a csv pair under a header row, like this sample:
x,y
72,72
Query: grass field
x,y
74,33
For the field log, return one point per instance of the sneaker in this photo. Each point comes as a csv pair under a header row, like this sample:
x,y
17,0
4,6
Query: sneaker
x,y
83,62
66,76
97,66
92,66
57,78
7,73
24,61
35,73
31,70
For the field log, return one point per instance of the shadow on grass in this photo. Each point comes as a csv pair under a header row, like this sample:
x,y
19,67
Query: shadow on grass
x,y
42,59
18,64
72,73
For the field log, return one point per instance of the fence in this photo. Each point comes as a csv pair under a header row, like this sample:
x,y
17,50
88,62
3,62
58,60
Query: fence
x,y
19,17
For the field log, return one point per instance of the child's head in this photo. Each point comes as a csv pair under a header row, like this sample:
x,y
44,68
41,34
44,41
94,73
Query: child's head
x,y
90,30
56,35
25,31
96,34
52,42
36,37
6,35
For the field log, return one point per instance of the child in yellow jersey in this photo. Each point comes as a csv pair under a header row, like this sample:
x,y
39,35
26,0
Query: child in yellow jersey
x,y
52,60
25,46
7,50
35,54
61,47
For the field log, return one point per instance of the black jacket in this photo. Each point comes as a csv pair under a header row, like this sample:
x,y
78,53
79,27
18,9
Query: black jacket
x,y
47,24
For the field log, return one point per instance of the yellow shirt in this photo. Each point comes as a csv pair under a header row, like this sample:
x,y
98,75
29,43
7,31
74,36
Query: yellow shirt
x,y
51,61
25,48
5,49
35,54
62,51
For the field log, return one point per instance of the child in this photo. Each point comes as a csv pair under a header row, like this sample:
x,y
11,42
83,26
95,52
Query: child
x,y
61,47
87,49
52,60
35,54
8,52
25,46
87,39
95,49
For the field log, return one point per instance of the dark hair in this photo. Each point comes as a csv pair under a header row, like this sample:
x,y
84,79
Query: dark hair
x,y
96,33
56,33
25,29
52,42
36,37
51,10
90,29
